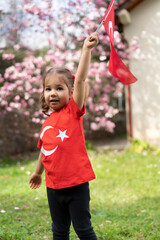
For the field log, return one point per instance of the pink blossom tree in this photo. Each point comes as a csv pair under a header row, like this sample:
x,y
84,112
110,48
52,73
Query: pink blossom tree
x,y
21,82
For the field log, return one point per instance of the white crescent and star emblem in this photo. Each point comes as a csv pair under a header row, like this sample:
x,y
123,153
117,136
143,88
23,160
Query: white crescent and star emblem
x,y
62,135
110,26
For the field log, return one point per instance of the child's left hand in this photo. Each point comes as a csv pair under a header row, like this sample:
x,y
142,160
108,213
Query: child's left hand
x,y
91,41
35,180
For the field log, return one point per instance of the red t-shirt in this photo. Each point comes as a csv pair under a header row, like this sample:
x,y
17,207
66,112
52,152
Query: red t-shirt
x,y
63,146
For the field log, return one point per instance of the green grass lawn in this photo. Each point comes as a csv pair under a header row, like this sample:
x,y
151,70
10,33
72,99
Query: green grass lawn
x,y
125,198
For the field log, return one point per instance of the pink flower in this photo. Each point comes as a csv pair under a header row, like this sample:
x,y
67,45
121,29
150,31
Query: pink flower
x,y
105,99
11,38
94,126
6,75
9,109
49,41
98,80
17,98
36,135
4,103
1,79
23,102
26,113
17,132
20,89
42,121
107,88
16,47
110,126
14,29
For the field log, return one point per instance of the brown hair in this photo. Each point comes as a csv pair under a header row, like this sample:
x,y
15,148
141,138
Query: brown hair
x,y
68,78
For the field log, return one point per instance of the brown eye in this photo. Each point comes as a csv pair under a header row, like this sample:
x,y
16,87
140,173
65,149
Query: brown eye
x,y
59,88
47,89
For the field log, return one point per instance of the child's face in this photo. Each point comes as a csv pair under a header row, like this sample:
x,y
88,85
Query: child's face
x,y
56,92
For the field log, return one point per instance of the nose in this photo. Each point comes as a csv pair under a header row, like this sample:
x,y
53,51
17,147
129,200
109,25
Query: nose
x,y
53,92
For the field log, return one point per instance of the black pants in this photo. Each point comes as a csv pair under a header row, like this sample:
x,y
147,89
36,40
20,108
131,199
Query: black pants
x,y
71,204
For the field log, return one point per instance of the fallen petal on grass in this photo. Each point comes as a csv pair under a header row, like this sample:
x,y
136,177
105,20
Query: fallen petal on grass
x,y
101,225
107,221
46,237
144,210
3,211
17,208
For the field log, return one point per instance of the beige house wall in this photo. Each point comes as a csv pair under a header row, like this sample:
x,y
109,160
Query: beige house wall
x,y
144,31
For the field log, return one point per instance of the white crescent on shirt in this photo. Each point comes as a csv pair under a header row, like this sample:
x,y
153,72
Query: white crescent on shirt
x,y
61,135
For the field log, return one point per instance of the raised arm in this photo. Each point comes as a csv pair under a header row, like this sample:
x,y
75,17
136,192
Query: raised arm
x,y
83,67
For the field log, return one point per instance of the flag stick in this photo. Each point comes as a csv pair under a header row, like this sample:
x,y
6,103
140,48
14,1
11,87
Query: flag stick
x,y
100,25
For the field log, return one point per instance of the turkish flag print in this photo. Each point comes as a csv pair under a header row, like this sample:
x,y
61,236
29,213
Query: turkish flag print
x,y
116,66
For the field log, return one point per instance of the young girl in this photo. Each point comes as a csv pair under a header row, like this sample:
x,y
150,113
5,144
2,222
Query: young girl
x,y
63,154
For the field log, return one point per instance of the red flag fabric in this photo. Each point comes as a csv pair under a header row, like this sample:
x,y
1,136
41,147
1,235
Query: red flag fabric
x,y
116,66
119,70
109,21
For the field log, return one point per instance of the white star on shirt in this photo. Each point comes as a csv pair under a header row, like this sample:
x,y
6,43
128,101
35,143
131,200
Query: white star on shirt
x,y
62,135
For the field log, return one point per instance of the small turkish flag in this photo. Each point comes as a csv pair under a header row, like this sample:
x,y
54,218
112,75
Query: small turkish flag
x,y
109,21
116,66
